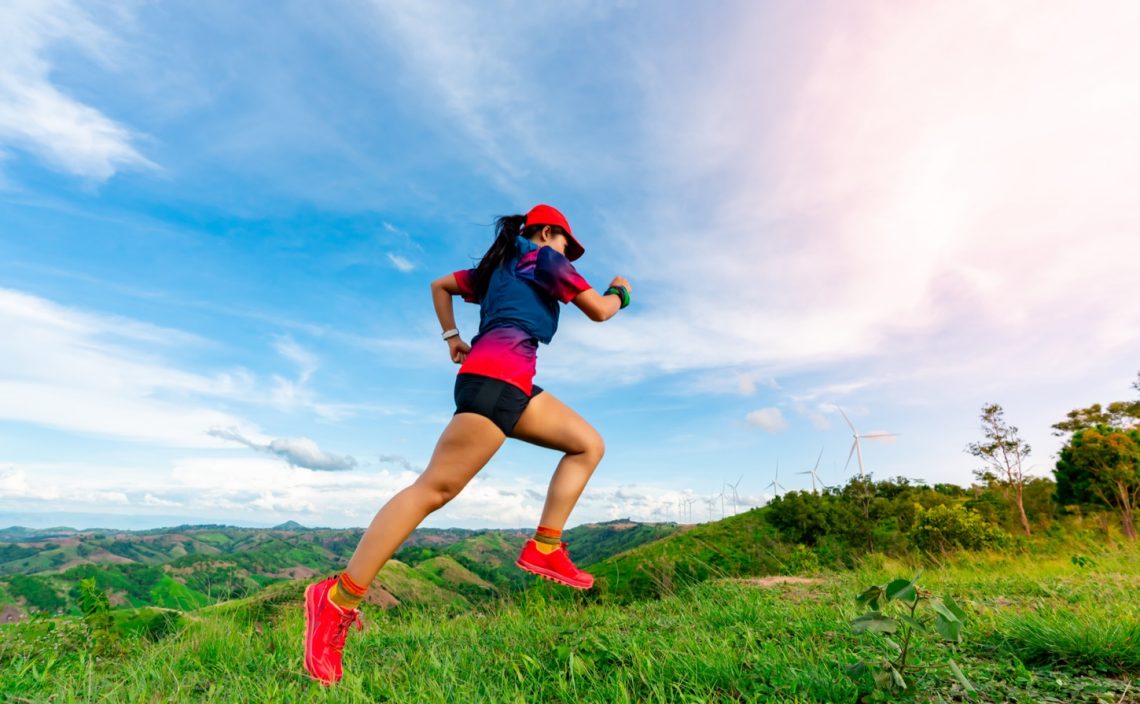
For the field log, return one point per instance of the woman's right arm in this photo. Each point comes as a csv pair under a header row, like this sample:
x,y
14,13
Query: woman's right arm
x,y
442,290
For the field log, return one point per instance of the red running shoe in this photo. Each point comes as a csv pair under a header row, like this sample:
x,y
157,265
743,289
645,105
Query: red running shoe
x,y
555,566
326,627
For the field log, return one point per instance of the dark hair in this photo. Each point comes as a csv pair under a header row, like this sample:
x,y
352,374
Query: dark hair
x,y
503,249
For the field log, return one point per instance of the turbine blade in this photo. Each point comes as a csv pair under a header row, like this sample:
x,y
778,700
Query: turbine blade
x,y
817,459
856,432
849,454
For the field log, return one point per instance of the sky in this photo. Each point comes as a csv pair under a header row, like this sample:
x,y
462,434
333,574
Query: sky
x,y
218,224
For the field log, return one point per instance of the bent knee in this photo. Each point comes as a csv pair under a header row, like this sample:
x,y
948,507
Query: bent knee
x,y
593,447
436,495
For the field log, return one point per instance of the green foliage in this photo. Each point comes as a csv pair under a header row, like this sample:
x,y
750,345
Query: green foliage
x,y
895,611
1119,414
804,517
1099,641
1003,452
96,608
952,526
1100,466
10,552
897,516
37,592
1082,561
802,560
172,594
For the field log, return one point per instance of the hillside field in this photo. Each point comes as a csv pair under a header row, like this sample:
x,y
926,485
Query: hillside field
x,y
1038,629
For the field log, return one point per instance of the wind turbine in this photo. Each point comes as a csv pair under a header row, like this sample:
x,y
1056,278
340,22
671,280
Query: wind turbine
x,y
735,496
856,448
776,486
689,507
814,472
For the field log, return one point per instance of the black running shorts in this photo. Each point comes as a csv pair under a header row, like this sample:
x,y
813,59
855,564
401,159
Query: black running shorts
x,y
492,398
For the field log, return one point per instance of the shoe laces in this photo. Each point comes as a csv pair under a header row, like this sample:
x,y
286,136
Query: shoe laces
x,y
346,621
567,561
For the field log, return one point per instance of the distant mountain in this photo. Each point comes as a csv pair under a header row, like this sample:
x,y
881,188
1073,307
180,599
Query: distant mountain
x,y
187,567
107,521
289,525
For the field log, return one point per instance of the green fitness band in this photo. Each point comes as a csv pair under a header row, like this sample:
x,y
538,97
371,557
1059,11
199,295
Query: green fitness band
x,y
622,293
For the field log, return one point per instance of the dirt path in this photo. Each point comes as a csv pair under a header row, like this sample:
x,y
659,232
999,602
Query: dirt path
x,y
776,580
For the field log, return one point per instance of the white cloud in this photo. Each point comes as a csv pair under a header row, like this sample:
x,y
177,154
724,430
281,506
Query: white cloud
x,y
35,115
816,415
86,372
401,263
399,460
485,73
288,348
268,489
921,199
768,419
299,452
445,47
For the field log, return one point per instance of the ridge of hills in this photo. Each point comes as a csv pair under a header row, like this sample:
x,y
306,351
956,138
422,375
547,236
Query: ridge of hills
x,y
742,545
190,567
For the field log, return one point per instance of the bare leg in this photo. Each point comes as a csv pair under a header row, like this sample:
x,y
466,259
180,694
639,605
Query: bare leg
x,y
548,422
466,445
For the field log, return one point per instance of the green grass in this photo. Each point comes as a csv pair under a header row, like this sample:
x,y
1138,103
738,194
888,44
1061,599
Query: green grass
x,y
1039,629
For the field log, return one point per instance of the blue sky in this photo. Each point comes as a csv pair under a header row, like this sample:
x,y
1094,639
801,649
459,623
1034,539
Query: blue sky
x,y
218,226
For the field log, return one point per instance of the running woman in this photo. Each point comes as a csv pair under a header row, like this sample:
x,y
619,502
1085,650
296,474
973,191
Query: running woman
x,y
519,284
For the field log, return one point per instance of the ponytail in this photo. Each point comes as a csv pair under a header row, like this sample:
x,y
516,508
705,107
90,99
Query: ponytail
x,y
501,251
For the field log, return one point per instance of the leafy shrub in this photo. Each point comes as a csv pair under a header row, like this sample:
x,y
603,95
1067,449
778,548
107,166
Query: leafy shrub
x,y
105,640
802,560
951,526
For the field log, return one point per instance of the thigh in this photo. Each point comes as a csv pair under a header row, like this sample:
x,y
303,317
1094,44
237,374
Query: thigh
x,y
466,445
547,422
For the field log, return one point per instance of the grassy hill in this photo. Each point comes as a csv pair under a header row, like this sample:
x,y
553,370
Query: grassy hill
x,y
592,542
190,566
736,546
1038,629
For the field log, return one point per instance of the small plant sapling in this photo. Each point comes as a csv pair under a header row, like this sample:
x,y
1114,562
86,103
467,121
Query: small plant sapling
x,y
903,611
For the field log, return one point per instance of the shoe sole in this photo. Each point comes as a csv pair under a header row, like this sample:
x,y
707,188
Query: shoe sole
x,y
310,623
552,576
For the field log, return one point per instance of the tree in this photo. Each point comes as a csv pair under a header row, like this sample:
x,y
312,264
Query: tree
x,y
1118,414
1003,452
1101,465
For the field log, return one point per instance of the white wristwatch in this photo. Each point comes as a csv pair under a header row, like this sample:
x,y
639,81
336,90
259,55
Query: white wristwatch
x,y
448,334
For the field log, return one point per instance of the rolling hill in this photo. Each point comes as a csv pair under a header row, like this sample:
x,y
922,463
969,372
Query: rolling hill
x,y
187,567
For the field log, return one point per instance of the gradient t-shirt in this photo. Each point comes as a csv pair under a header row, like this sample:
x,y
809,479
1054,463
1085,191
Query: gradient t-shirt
x,y
519,310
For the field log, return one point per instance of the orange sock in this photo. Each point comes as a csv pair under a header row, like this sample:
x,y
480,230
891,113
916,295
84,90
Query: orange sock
x,y
547,540
346,593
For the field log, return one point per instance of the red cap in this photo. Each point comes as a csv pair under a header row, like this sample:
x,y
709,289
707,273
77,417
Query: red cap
x,y
546,215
